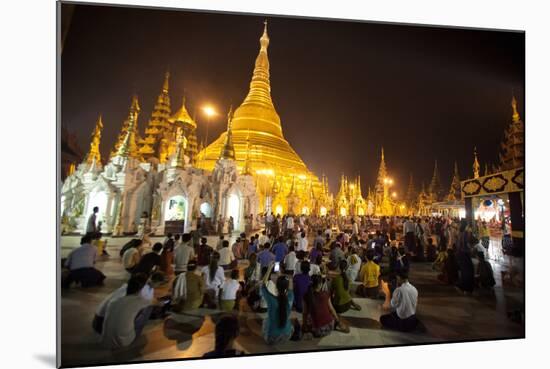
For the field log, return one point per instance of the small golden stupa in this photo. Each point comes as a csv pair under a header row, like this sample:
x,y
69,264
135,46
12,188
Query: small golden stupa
x,y
262,150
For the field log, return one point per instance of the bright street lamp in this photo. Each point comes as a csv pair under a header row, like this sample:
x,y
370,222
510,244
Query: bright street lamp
x,y
210,112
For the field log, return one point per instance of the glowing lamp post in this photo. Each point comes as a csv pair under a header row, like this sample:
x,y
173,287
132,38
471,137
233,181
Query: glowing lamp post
x,y
210,112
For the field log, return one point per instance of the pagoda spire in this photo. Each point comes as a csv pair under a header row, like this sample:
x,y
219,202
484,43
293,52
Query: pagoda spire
x,y
475,166
359,192
158,126
382,173
166,83
512,153
515,115
94,156
128,147
435,185
260,86
455,190
228,151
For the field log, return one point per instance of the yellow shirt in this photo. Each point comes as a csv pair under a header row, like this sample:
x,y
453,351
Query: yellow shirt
x,y
370,273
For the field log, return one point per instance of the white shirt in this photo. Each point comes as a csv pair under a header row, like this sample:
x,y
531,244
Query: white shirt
x,y
290,261
91,227
289,222
128,257
229,289
263,239
408,226
182,254
354,267
302,244
314,269
216,282
226,256
479,248
118,326
404,300
147,293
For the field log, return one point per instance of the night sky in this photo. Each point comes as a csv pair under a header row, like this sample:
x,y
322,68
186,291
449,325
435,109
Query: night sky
x,y
342,89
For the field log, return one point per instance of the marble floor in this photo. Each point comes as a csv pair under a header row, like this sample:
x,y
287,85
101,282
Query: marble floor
x,y
445,314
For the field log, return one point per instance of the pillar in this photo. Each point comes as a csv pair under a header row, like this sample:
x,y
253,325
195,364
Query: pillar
x,y
469,210
518,222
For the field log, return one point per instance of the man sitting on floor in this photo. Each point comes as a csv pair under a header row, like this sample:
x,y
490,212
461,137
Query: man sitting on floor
x,y
147,293
150,261
403,300
80,263
126,316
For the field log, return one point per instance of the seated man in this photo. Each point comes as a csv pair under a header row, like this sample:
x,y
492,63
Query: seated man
x,y
132,256
188,290
147,293
227,258
183,253
125,317
150,261
403,300
80,263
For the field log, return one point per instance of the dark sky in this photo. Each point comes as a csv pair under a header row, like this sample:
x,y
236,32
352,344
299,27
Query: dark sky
x,y
342,89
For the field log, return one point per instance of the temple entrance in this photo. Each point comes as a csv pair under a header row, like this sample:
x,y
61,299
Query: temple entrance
x,y
343,212
360,211
206,209
305,210
99,199
279,210
234,209
323,211
176,208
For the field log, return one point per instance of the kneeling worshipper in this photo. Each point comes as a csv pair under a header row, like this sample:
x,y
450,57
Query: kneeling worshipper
x,y
81,265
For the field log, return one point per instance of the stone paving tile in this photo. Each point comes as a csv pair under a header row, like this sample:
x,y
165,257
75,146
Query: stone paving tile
x,y
444,313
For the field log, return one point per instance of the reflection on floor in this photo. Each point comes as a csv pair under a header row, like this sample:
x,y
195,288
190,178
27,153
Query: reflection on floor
x,y
445,316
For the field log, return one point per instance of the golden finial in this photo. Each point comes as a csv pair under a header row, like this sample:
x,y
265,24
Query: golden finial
x,y
72,168
94,154
515,114
166,82
382,153
476,164
128,145
228,151
229,117
264,40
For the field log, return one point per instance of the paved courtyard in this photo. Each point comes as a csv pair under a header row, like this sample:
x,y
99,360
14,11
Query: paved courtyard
x,y
445,314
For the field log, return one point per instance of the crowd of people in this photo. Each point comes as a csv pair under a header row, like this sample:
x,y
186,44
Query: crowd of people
x,y
315,266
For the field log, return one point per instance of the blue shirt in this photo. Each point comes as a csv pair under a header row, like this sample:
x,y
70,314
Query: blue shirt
x,y
252,248
280,249
270,325
82,257
265,258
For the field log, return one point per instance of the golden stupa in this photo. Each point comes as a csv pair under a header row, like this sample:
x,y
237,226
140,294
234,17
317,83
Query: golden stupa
x,y
261,148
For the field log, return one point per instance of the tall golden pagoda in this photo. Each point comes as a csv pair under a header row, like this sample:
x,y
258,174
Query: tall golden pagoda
x,y
256,127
